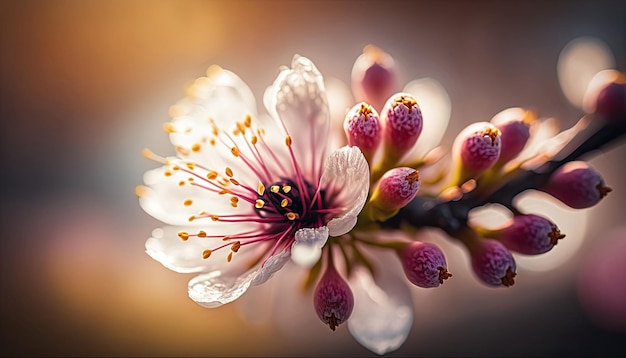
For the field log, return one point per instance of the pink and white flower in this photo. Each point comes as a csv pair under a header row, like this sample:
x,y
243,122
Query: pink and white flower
x,y
247,192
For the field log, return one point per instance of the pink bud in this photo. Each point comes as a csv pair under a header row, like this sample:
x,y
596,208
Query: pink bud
x,y
611,102
402,123
374,76
493,263
475,149
424,264
362,129
398,187
530,234
577,185
514,126
333,299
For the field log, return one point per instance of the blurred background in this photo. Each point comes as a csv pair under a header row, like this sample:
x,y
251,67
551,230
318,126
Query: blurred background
x,y
87,84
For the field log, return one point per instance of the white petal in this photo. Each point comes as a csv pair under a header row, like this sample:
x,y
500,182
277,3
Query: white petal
x,y
297,99
216,288
346,178
383,312
272,265
186,256
307,248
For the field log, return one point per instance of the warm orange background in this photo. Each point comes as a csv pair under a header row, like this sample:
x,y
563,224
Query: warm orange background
x,y
87,84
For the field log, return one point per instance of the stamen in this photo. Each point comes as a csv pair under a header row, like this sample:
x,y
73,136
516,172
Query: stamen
x,y
291,216
234,181
248,121
233,201
141,191
261,189
284,203
253,140
274,189
236,245
201,233
191,218
288,140
196,147
234,151
212,175
259,204
229,257
206,253
183,235
188,202
286,189
191,166
168,127
229,172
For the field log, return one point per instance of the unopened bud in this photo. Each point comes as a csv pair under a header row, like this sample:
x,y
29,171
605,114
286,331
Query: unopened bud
x,y
394,191
606,96
402,124
577,185
333,299
493,263
363,129
514,126
374,77
424,264
475,149
530,234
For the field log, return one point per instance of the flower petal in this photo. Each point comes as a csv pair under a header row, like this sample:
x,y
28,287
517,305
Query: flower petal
x,y
307,248
166,247
383,312
346,179
297,99
216,288
272,265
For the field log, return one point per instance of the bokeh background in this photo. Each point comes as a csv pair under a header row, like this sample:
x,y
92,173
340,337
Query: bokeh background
x,y
87,84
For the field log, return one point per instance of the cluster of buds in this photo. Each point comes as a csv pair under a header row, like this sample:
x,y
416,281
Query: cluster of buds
x,y
485,158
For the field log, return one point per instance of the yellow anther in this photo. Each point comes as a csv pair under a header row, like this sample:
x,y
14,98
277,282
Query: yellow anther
x,y
288,140
229,172
235,151
188,202
284,203
226,238
261,189
147,153
241,127
206,253
253,139
182,151
215,131
191,166
236,132
235,246
181,183
176,167
223,191
233,201
214,217
191,218
183,235
141,191
211,175
196,147
259,204
229,257
286,189
167,173
234,181
201,233
274,188
291,216
190,179
212,141
168,127
248,121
